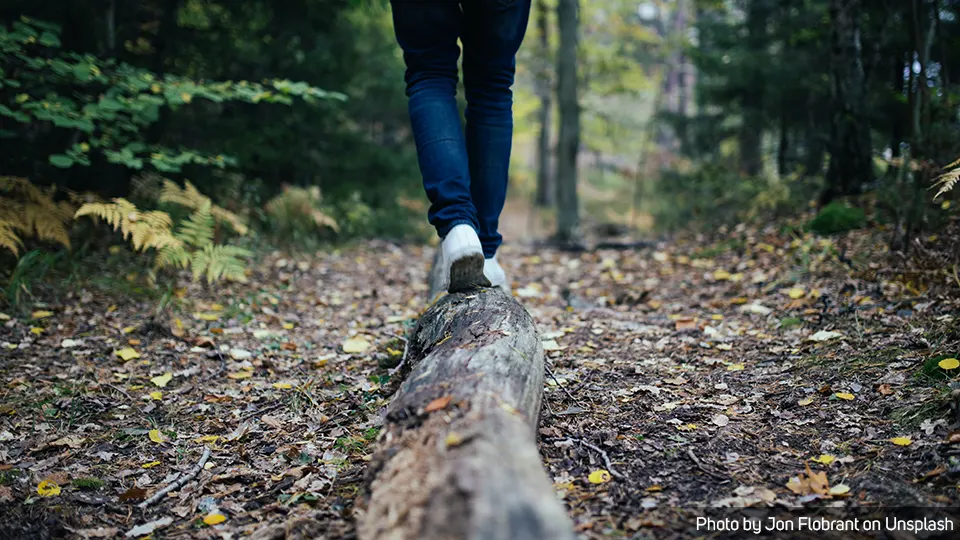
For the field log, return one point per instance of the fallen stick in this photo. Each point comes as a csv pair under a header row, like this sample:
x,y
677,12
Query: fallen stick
x,y
179,482
457,457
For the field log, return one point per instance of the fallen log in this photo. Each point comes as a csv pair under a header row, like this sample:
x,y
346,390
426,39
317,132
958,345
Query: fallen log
x,y
458,458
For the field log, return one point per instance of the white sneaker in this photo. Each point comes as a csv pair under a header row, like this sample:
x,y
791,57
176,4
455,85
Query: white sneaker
x,y
494,272
463,259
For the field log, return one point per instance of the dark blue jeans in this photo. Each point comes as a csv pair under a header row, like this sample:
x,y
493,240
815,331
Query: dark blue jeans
x,y
464,174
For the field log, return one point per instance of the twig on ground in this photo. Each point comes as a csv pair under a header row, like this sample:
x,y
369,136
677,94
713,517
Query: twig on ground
x,y
562,387
261,410
403,359
120,390
180,482
606,459
700,466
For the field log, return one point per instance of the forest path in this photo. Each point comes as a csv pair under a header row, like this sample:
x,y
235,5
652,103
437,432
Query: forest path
x,y
707,375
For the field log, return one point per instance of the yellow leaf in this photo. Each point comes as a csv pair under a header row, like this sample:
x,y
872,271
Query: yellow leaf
x,y
840,489
282,385
157,395
216,307
796,292
207,439
717,317
901,441
805,401
735,367
162,380
845,396
36,330
214,519
599,477
453,439
207,316
42,314
240,375
150,465
47,488
721,275
128,354
288,326
949,363
128,329
355,345
824,459
155,436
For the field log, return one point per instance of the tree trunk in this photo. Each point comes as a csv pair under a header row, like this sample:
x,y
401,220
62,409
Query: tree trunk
x,y
568,205
457,458
850,147
751,129
545,189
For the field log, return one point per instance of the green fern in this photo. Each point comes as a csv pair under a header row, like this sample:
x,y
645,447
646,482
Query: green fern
x,y
220,262
197,230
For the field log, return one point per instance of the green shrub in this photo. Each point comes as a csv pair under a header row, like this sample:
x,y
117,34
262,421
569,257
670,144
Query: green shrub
x,y
836,218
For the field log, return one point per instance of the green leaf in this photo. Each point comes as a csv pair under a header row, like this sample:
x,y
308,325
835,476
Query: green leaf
x,y
60,160
49,39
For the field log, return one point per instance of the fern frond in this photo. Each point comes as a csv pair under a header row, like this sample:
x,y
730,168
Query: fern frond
x,y
9,238
34,212
145,230
197,230
947,181
13,213
220,262
190,197
174,255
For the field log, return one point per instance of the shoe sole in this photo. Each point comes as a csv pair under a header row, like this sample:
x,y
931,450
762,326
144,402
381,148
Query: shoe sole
x,y
467,273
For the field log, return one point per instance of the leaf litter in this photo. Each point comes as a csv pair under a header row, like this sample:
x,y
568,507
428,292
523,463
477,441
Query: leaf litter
x,y
702,381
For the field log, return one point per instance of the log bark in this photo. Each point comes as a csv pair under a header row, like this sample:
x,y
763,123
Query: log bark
x,y
458,458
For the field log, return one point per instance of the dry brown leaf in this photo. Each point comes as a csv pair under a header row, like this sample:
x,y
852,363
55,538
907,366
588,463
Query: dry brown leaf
x,y
133,494
438,404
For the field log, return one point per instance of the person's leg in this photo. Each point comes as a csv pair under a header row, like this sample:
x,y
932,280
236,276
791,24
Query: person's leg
x,y
427,32
492,33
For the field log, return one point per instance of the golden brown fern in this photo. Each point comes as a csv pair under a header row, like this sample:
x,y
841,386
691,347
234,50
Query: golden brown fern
x,y
9,238
151,229
297,204
948,180
190,197
28,211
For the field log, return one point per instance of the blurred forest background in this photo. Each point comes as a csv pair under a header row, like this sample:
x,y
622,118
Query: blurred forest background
x,y
202,129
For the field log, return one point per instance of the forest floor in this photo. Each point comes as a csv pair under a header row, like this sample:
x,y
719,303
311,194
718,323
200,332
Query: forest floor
x,y
746,371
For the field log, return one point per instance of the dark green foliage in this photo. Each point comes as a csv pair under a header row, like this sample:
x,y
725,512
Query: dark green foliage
x,y
838,97
122,86
837,217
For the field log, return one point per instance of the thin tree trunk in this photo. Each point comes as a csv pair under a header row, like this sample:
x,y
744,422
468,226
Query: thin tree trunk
x,y
850,148
751,130
545,188
568,211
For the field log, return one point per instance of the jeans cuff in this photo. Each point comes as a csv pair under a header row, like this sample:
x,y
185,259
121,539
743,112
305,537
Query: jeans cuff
x,y
443,232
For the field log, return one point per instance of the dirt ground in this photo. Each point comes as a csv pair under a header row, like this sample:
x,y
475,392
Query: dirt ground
x,y
757,369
